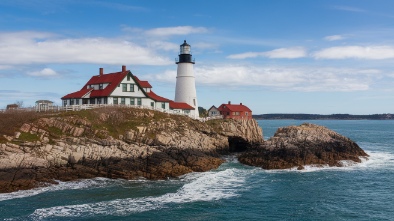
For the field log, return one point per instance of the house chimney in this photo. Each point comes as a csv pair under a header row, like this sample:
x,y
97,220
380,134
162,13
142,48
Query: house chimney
x,y
240,103
229,102
101,71
123,68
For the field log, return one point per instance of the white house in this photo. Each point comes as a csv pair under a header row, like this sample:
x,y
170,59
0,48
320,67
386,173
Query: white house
x,y
213,111
121,88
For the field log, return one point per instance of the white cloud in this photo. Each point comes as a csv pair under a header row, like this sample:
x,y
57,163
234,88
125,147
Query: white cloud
x,y
179,30
290,53
359,52
280,78
46,72
45,48
163,45
333,38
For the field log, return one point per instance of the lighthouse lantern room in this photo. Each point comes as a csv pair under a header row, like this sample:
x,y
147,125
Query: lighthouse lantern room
x,y
185,90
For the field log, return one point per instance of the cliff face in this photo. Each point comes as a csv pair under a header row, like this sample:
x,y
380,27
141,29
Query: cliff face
x,y
117,143
307,144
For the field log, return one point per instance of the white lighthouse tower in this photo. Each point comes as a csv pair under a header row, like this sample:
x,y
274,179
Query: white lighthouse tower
x,y
185,83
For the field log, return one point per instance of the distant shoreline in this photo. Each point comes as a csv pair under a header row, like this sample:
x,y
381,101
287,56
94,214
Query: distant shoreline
x,y
323,117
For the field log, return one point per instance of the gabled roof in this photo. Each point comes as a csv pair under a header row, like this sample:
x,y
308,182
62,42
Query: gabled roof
x,y
233,107
213,106
78,94
112,79
143,84
156,97
180,105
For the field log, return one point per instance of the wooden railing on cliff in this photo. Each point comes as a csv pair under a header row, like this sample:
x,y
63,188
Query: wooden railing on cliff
x,y
92,106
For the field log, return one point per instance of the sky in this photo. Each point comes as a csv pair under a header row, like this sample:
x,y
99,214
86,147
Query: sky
x,y
275,56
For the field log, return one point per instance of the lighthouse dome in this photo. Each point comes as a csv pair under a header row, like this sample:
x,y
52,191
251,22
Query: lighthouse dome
x,y
185,48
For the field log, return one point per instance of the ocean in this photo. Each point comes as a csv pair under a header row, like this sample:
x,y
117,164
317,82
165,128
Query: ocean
x,y
234,191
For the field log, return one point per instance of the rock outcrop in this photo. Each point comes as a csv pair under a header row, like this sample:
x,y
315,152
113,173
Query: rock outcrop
x,y
307,144
117,143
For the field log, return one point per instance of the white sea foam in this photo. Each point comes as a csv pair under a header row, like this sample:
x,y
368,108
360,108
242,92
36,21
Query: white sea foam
x,y
376,160
207,186
72,185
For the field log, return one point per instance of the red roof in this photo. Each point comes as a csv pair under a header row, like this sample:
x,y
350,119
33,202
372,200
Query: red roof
x,y
143,84
233,107
113,80
78,94
156,97
180,105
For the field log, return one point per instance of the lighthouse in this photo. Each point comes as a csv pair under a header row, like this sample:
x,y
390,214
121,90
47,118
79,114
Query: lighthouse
x,y
185,90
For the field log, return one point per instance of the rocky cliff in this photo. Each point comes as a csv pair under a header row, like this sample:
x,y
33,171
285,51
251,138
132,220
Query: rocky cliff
x,y
307,144
116,143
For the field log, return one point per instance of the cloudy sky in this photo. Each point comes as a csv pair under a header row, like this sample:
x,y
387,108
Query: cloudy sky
x,y
279,56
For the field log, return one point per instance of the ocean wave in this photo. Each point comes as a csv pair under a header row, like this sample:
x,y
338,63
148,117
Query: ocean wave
x,y
207,186
71,185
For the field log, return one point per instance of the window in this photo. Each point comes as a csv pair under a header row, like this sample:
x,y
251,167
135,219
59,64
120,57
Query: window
x,y
99,100
105,100
128,77
228,113
118,85
163,105
122,100
194,102
132,101
85,101
139,102
64,103
71,101
124,87
152,104
132,87
186,111
92,101
115,100
100,86
246,113
77,101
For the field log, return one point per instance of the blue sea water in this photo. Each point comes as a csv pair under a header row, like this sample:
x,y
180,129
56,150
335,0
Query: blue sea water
x,y
362,191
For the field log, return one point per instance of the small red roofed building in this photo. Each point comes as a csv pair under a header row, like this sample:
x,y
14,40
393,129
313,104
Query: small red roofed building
x,y
12,106
121,88
235,111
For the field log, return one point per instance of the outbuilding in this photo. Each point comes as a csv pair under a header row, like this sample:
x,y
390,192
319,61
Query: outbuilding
x,y
235,111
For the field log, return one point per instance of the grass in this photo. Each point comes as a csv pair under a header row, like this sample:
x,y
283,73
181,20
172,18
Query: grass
x,y
102,122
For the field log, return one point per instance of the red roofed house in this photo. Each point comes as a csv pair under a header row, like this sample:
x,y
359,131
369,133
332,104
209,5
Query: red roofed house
x,y
235,111
121,88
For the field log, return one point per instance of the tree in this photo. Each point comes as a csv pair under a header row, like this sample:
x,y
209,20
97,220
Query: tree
x,y
202,112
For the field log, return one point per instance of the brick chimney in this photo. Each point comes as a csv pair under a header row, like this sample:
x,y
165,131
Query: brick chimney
x,y
229,102
123,68
101,71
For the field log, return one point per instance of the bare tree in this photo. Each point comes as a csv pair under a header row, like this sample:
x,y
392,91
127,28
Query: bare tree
x,y
19,103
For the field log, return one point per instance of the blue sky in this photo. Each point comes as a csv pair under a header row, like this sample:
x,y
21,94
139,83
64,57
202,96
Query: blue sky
x,y
279,56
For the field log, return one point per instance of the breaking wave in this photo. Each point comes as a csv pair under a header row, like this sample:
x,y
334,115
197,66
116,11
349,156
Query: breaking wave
x,y
71,185
207,186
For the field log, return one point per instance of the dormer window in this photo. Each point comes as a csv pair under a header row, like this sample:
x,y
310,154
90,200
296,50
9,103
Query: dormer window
x,y
100,86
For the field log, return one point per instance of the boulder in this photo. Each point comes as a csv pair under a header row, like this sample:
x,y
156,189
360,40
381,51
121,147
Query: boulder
x,y
297,146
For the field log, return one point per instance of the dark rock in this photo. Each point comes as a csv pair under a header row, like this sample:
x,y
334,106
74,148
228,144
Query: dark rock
x,y
297,146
